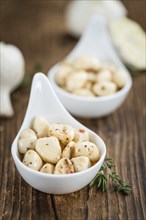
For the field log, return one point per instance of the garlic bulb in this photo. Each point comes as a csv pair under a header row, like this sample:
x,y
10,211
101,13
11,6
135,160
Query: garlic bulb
x,y
79,13
130,41
11,74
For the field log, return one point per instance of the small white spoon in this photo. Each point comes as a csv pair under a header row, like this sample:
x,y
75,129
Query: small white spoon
x,y
44,102
94,42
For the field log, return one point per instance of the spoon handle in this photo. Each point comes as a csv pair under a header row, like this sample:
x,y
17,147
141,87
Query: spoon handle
x,y
44,102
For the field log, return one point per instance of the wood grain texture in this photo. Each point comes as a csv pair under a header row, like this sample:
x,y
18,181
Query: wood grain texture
x,y
37,28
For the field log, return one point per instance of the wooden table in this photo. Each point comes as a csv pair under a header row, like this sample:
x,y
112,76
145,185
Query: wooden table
x,y
38,29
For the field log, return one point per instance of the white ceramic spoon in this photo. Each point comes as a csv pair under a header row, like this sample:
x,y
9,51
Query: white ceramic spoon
x,y
95,42
44,102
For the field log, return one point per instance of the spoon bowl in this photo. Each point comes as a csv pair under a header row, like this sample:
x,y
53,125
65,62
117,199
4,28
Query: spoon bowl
x,y
44,102
95,42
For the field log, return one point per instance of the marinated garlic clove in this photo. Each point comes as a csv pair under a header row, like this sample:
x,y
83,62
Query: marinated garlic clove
x,y
83,92
47,168
67,152
32,160
40,126
87,63
88,85
92,77
76,80
110,67
104,75
63,73
64,166
104,88
81,163
87,149
64,133
120,79
49,149
81,135
26,141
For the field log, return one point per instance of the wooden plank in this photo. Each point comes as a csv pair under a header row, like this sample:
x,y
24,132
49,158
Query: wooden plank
x,y
38,29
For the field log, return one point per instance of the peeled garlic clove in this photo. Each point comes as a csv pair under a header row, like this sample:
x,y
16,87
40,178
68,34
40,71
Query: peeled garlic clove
x,y
40,126
104,75
32,160
49,149
120,79
81,163
11,74
91,64
91,77
64,166
83,92
88,85
87,149
76,80
81,135
63,72
26,141
67,151
47,168
64,133
104,88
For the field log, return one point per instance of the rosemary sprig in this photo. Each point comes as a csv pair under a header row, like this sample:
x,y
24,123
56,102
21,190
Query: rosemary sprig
x,y
106,174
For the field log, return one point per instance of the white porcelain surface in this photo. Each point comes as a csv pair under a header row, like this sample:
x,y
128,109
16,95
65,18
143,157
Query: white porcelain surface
x,y
44,102
94,42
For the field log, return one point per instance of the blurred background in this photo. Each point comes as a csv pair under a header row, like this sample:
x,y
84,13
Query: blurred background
x,y
38,29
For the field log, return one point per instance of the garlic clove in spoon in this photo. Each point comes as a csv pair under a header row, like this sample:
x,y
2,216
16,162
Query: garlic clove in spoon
x,y
11,74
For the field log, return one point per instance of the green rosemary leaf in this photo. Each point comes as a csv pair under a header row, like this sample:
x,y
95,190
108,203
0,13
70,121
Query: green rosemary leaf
x,y
119,185
106,174
93,182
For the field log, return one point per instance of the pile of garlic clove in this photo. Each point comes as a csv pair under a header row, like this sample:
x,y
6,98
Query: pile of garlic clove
x,y
86,76
56,148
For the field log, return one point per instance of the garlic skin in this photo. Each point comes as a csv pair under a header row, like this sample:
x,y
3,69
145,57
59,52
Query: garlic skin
x,y
79,13
11,74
